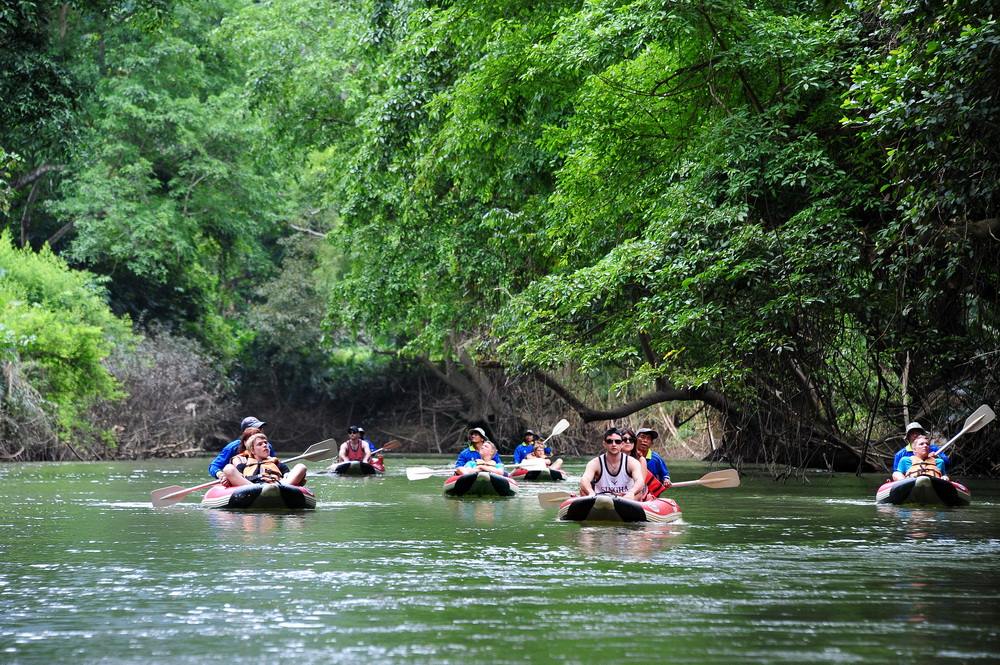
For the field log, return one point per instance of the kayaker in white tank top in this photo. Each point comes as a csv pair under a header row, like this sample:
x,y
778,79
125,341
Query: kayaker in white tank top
x,y
627,477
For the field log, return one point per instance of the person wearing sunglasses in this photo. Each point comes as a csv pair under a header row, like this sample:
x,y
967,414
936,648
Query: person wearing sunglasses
x,y
613,472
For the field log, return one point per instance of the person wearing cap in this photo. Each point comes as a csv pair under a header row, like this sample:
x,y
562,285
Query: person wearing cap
x,y
921,462
613,472
526,446
256,464
913,430
477,437
355,449
233,448
655,465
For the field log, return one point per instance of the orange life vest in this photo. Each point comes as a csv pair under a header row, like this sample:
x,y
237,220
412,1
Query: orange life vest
x,y
923,467
266,470
653,485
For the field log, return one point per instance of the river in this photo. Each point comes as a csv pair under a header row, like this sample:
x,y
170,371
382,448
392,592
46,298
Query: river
x,y
389,570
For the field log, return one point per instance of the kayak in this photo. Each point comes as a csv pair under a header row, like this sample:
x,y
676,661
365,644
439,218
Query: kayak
x,y
610,508
480,484
356,468
924,490
543,475
260,496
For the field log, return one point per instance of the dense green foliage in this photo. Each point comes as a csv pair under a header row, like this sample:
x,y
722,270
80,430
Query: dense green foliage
x,y
785,210
55,331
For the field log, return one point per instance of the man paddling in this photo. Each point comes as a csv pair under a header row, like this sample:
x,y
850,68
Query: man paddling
x,y
921,462
234,447
477,437
613,472
654,463
355,449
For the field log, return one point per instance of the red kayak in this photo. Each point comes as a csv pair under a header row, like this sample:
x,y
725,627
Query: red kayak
x,y
260,496
480,484
541,475
923,490
610,508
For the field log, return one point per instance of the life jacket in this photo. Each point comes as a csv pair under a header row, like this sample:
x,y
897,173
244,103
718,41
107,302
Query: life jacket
x,y
356,455
923,467
654,487
262,471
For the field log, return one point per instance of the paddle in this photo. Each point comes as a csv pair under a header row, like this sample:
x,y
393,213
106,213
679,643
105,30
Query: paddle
x,y
980,418
560,427
392,445
167,496
716,480
423,472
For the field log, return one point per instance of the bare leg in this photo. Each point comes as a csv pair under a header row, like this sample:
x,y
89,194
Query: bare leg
x,y
557,464
297,476
234,477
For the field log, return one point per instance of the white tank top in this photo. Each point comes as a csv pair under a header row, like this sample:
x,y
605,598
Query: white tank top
x,y
619,483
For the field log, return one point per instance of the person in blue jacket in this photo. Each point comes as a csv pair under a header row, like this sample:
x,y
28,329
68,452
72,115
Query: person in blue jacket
x,y
644,438
913,430
477,437
527,446
233,448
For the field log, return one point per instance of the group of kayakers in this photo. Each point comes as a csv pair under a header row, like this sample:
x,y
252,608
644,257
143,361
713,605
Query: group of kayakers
x,y
629,466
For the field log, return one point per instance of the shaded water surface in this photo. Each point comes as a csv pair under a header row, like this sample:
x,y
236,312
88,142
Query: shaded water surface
x,y
389,570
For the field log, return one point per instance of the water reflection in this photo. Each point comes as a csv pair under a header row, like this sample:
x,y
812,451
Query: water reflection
x,y
483,511
255,524
632,542
918,523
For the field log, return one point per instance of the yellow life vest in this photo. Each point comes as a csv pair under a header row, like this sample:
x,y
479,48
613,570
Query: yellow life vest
x,y
923,467
263,470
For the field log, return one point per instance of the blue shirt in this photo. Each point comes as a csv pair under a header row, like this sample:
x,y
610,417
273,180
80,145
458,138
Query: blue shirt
x,y
656,466
471,454
908,450
228,453
524,450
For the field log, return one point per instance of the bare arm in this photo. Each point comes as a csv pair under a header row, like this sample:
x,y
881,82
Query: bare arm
x,y
342,456
589,477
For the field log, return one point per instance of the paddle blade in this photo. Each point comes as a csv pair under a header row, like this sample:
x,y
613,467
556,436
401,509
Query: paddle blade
x,y
552,498
168,496
422,472
720,479
560,427
980,418
392,445
161,497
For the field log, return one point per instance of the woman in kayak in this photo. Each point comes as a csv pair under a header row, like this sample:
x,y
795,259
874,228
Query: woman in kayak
x,y
256,465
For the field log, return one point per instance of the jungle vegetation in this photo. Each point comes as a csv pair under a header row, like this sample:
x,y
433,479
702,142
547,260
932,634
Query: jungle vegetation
x,y
779,217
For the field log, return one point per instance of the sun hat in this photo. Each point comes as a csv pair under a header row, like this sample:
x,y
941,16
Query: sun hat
x,y
653,434
251,421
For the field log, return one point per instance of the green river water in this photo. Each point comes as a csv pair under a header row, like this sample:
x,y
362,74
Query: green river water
x,y
389,570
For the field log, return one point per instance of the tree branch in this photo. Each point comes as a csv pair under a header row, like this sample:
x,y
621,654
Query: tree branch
x,y
587,414
33,175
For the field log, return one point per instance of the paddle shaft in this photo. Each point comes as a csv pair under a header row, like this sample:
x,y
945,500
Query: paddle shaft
x,y
713,480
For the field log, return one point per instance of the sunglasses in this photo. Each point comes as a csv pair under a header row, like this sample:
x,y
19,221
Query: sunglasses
x,y
628,438
612,441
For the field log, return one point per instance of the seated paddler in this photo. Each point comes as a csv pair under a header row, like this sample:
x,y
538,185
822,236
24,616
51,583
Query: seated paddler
x,y
477,437
613,472
488,460
912,430
256,465
921,462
